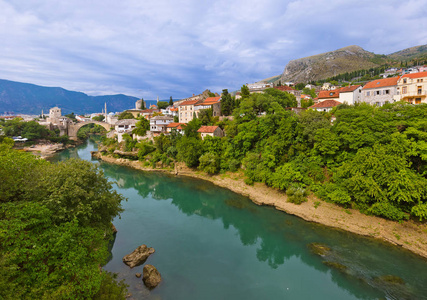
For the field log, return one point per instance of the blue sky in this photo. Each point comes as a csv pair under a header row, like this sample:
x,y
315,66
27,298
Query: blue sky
x,y
150,48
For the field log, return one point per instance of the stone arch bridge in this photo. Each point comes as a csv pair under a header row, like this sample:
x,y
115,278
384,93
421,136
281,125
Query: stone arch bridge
x,y
74,128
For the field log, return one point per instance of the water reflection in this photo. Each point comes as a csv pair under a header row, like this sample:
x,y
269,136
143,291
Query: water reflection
x,y
281,237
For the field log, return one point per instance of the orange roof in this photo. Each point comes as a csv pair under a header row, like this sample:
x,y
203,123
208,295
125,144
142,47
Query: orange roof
x,y
173,125
328,94
347,89
174,109
284,88
381,83
189,102
326,104
207,129
415,75
211,100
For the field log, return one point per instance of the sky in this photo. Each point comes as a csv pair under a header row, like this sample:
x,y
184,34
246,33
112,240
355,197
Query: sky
x,y
159,48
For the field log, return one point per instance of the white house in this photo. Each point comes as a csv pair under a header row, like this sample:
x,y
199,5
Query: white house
x,y
124,126
158,124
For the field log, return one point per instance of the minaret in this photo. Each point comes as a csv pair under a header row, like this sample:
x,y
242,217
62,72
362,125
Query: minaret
x,y
105,110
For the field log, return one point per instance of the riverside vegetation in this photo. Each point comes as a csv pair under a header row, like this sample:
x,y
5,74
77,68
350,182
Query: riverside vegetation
x,y
55,227
365,157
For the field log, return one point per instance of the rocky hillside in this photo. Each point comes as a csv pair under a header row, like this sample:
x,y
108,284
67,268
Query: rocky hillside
x,y
25,98
347,59
328,64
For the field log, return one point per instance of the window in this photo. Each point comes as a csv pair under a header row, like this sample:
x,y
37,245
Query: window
x,y
404,90
377,92
404,80
419,90
417,100
368,93
386,92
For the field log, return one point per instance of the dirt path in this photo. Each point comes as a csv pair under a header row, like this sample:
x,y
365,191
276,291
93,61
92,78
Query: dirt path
x,y
408,234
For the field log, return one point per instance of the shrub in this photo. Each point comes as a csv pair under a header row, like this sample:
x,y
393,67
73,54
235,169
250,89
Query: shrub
x,y
297,195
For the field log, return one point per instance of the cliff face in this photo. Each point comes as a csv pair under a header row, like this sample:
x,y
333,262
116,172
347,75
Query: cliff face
x,y
328,64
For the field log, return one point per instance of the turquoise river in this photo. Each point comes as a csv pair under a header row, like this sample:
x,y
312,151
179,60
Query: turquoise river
x,y
211,243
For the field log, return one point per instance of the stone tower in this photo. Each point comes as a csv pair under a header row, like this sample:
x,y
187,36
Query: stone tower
x,y
139,104
54,115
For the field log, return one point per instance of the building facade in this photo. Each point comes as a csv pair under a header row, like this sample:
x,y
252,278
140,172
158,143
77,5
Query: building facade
x,y
412,88
381,91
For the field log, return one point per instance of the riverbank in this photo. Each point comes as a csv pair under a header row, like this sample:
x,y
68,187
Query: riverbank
x,y
45,150
409,234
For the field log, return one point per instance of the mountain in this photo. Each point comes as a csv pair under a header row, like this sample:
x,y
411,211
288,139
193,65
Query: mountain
x,y
25,98
347,59
418,52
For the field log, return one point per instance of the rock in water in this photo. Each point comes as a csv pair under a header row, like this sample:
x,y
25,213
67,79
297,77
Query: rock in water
x,y
151,276
138,256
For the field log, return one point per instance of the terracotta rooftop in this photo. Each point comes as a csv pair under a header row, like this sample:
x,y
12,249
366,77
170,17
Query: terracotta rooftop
x,y
381,83
328,94
326,104
415,75
284,88
207,129
211,100
189,102
173,125
347,89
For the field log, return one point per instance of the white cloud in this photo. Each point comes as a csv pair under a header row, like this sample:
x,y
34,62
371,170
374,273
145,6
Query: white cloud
x,y
154,47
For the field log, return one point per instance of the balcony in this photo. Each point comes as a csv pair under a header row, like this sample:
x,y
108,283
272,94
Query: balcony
x,y
420,93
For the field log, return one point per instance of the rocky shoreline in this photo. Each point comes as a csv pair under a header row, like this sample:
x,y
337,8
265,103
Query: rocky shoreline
x,y
409,234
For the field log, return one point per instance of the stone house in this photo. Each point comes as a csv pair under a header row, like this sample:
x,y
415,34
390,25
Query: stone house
x,y
179,127
350,94
186,111
211,102
412,88
124,126
210,130
158,124
325,105
381,91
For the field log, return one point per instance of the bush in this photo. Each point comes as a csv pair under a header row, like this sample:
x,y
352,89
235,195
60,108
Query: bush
x,y
297,195
209,163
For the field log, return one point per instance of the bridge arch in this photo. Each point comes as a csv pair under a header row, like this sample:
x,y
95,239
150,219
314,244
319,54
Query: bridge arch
x,y
74,128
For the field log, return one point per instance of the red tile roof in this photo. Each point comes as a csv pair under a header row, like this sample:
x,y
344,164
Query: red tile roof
x,y
381,83
347,89
328,94
189,102
284,88
174,109
326,104
211,100
415,75
207,129
173,125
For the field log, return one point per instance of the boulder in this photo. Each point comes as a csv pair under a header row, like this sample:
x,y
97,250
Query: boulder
x,y
138,256
138,275
151,276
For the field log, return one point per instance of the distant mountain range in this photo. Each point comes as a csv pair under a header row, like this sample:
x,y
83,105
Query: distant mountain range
x,y
347,59
25,98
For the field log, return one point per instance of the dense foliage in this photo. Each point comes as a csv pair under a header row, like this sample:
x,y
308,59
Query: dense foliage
x,y
366,157
31,130
54,220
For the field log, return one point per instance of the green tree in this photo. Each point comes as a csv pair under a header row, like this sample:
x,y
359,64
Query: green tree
x,y
170,101
227,103
162,104
99,118
126,115
209,162
299,86
141,126
244,91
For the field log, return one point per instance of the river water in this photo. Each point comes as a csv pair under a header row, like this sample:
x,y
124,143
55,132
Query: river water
x,y
214,244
